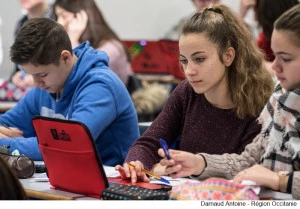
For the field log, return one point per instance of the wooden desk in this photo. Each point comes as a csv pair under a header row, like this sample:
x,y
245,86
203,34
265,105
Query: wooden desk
x,y
4,106
42,190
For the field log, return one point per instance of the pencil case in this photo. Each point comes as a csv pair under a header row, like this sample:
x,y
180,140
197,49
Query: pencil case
x,y
22,165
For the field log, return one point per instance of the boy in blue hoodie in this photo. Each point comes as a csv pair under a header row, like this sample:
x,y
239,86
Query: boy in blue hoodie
x,y
74,85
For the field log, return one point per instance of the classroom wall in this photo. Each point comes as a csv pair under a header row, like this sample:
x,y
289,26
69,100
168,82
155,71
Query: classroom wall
x,y
131,19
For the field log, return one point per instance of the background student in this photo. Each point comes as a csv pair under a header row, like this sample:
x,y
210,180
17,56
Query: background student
x,y
273,158
34,9
215,108
75,85
174,32
72,14
265,13
10,186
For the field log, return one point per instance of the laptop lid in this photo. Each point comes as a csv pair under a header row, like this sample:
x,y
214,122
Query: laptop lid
x,y
155,57
70,155
147,57
170,50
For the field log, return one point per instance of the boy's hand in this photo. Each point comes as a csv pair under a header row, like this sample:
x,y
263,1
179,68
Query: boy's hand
x,y
10,133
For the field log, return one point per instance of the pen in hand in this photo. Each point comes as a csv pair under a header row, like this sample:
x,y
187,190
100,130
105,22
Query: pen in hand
x,y
14,132
4,125
151,174
165,147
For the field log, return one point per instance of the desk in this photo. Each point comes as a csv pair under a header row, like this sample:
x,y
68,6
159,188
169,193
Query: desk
x,y
42,190
4,106
270,194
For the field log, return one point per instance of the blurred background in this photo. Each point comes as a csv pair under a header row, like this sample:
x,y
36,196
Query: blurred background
x,y
131,19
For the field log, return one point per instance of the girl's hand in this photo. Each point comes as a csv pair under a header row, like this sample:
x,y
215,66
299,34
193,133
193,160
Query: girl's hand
x,y
133,173
182,164
77,26
260,175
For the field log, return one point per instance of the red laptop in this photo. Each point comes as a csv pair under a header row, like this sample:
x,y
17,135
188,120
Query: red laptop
x,y
70,155
155,57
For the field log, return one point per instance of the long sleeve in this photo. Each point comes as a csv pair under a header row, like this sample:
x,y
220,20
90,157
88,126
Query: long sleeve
x,y
296,185
228,165
188,122
167,126
28,146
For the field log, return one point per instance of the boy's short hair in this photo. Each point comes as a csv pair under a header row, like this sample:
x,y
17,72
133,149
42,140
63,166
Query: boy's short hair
x,y
40,41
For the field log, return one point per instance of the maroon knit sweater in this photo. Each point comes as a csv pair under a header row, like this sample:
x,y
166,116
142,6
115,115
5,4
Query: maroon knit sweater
x,y
200,126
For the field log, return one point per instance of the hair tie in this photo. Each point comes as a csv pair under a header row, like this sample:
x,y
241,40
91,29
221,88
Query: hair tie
x,y
217,10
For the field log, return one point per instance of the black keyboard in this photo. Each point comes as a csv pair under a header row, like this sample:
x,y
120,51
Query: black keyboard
x,y
117,191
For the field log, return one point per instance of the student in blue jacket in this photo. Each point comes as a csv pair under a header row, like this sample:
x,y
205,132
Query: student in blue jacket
x,y
69,85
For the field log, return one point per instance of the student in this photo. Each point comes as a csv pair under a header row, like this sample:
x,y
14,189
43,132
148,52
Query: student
x,y
266,20
72,14
215,109
276,149
174,32
10,187
34,9
70,85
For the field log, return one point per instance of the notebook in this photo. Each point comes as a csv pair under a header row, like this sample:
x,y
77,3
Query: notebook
x,y
70,156
155,57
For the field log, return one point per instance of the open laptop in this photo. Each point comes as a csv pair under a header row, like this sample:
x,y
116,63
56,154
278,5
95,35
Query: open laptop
x,y
70,156
154,57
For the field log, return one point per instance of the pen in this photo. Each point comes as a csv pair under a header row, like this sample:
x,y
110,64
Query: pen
x,y
4,125
151,174
164,146
23,74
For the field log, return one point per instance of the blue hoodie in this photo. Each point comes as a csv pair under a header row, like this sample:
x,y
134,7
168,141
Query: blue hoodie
x,y
94,95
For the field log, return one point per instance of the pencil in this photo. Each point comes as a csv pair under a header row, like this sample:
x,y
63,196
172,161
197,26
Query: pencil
x,y
151,174
3,124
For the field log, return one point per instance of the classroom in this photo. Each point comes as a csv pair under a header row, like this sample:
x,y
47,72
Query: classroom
x,y
147,135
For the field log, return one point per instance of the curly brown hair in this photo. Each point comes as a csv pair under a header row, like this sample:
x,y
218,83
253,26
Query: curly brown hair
x,y
250,84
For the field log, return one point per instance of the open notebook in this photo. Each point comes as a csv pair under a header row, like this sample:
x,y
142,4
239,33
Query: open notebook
x,y
70,156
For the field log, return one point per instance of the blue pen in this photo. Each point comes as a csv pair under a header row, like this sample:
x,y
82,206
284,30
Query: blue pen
x,y
23,74
4,125
164,146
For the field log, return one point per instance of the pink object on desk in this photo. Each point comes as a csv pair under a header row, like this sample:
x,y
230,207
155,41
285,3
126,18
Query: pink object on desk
x,y
213,189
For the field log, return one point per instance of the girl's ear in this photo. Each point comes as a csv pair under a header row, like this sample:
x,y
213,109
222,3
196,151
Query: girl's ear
x,y
228,56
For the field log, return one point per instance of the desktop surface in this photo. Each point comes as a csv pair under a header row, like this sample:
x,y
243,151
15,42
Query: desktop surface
x,y
38,187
